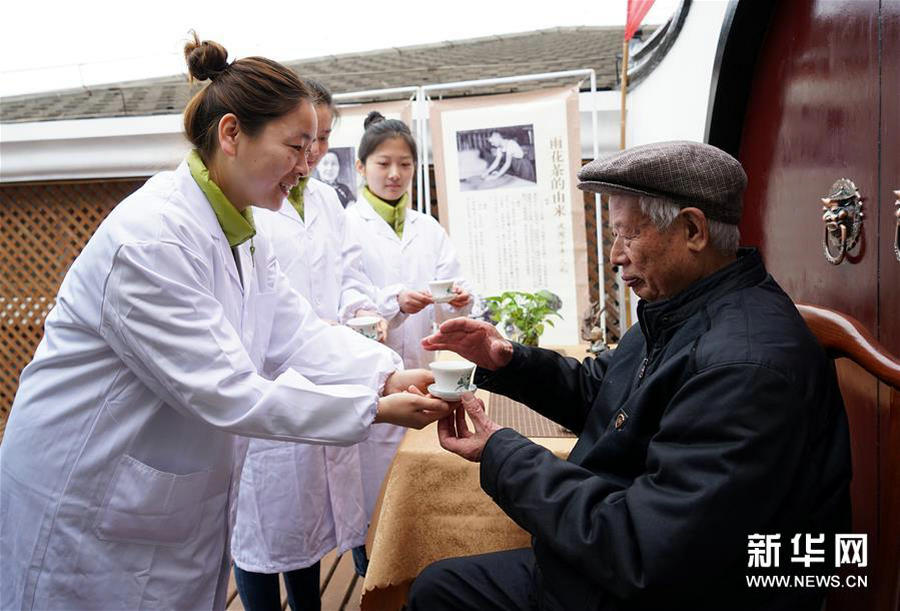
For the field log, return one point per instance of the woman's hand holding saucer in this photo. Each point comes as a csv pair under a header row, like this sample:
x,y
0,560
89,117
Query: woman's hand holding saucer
x,y
411,409
402,379
413,301
462,298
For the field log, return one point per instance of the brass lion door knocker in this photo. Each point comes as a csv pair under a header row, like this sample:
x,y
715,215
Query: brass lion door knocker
x,y
843,218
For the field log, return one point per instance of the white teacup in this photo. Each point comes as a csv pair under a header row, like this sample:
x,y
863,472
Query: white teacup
x,y
365,325
452,376
442,290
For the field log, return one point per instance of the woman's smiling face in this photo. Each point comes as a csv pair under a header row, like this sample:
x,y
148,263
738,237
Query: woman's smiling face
x,y
269,163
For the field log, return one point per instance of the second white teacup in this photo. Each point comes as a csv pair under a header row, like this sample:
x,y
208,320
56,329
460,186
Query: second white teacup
x,y
452,376
442,290
365,325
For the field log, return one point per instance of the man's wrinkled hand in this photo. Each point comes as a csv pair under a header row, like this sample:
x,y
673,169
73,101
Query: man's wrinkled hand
x,y
454,433
475,340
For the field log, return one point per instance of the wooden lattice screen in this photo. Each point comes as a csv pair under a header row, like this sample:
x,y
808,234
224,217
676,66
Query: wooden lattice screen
x,y
43,227
614,325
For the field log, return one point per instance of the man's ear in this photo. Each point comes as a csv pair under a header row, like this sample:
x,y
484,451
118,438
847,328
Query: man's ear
x,y
695,227
229,132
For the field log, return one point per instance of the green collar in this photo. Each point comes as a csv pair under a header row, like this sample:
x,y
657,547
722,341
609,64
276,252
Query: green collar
x,y
393,214
296,196
238,226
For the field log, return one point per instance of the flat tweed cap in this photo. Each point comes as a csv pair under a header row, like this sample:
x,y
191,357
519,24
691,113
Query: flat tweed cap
x,y
688,173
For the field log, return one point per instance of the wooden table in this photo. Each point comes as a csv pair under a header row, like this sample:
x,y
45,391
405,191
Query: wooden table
x,y
432,507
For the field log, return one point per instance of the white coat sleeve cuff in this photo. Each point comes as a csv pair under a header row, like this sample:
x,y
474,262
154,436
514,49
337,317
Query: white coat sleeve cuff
x,y
382,380
388,306
352,302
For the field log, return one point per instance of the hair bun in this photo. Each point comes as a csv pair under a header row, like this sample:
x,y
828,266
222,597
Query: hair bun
x,y
205,60
372,118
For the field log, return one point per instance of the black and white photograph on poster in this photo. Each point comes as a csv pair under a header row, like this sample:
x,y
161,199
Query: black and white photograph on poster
x,y
496,158
337,169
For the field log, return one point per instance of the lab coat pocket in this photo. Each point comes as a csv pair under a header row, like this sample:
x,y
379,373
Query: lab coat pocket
x,y
145,505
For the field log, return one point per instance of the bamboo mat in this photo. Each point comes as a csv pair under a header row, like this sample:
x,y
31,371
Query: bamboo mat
x,y
526,421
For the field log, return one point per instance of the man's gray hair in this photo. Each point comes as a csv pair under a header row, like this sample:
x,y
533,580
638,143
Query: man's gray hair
x,y
724,237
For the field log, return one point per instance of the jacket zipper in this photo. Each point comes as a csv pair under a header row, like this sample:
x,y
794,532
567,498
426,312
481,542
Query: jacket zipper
x,y
643,368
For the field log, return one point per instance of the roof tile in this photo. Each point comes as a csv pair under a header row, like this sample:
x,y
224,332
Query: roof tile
x,y
541,51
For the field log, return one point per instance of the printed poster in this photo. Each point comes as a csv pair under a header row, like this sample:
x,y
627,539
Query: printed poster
x,y
505,168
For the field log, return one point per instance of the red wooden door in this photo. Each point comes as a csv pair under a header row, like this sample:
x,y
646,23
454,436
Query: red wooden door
x,y
809,122
823,105
889,298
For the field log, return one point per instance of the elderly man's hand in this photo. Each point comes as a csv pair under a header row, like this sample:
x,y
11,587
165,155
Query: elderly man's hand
x,y
475,340
454,433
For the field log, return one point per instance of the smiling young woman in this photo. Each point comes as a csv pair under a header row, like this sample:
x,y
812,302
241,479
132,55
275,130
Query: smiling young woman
x,y
299,501
161,354
403,250
252,126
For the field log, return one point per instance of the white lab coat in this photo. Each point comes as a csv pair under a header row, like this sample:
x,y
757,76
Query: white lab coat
x,y
122,453
394,264
298,502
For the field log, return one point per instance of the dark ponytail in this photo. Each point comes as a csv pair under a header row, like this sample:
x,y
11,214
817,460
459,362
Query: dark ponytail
x,y
379,129
255,89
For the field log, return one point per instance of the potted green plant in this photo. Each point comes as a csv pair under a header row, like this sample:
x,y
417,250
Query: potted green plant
x,y
521,316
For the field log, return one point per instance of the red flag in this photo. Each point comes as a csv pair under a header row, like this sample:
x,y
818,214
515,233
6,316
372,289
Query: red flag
x,y
637,10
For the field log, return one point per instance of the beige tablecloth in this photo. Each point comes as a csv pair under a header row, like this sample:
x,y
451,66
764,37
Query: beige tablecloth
x,y
432,507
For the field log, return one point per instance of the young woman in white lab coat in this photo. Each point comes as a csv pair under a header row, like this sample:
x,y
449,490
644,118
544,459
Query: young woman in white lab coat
x,y
402,251
123,449
298,502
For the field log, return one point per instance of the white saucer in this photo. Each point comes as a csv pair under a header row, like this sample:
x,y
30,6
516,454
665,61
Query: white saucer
x,y
449,395
445,298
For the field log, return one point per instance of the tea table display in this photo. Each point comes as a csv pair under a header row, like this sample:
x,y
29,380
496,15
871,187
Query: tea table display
x,y
432,506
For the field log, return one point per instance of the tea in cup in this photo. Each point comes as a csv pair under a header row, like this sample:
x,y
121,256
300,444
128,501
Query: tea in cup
x,y
442,290
365,325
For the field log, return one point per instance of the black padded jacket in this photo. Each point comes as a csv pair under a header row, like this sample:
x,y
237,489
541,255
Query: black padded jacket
x,y
717,417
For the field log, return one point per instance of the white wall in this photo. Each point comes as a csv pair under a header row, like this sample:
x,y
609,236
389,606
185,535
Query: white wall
x,y
141,146
91,148
671,103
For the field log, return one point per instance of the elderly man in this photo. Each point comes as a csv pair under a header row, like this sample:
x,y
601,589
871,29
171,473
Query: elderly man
x,y
717,419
